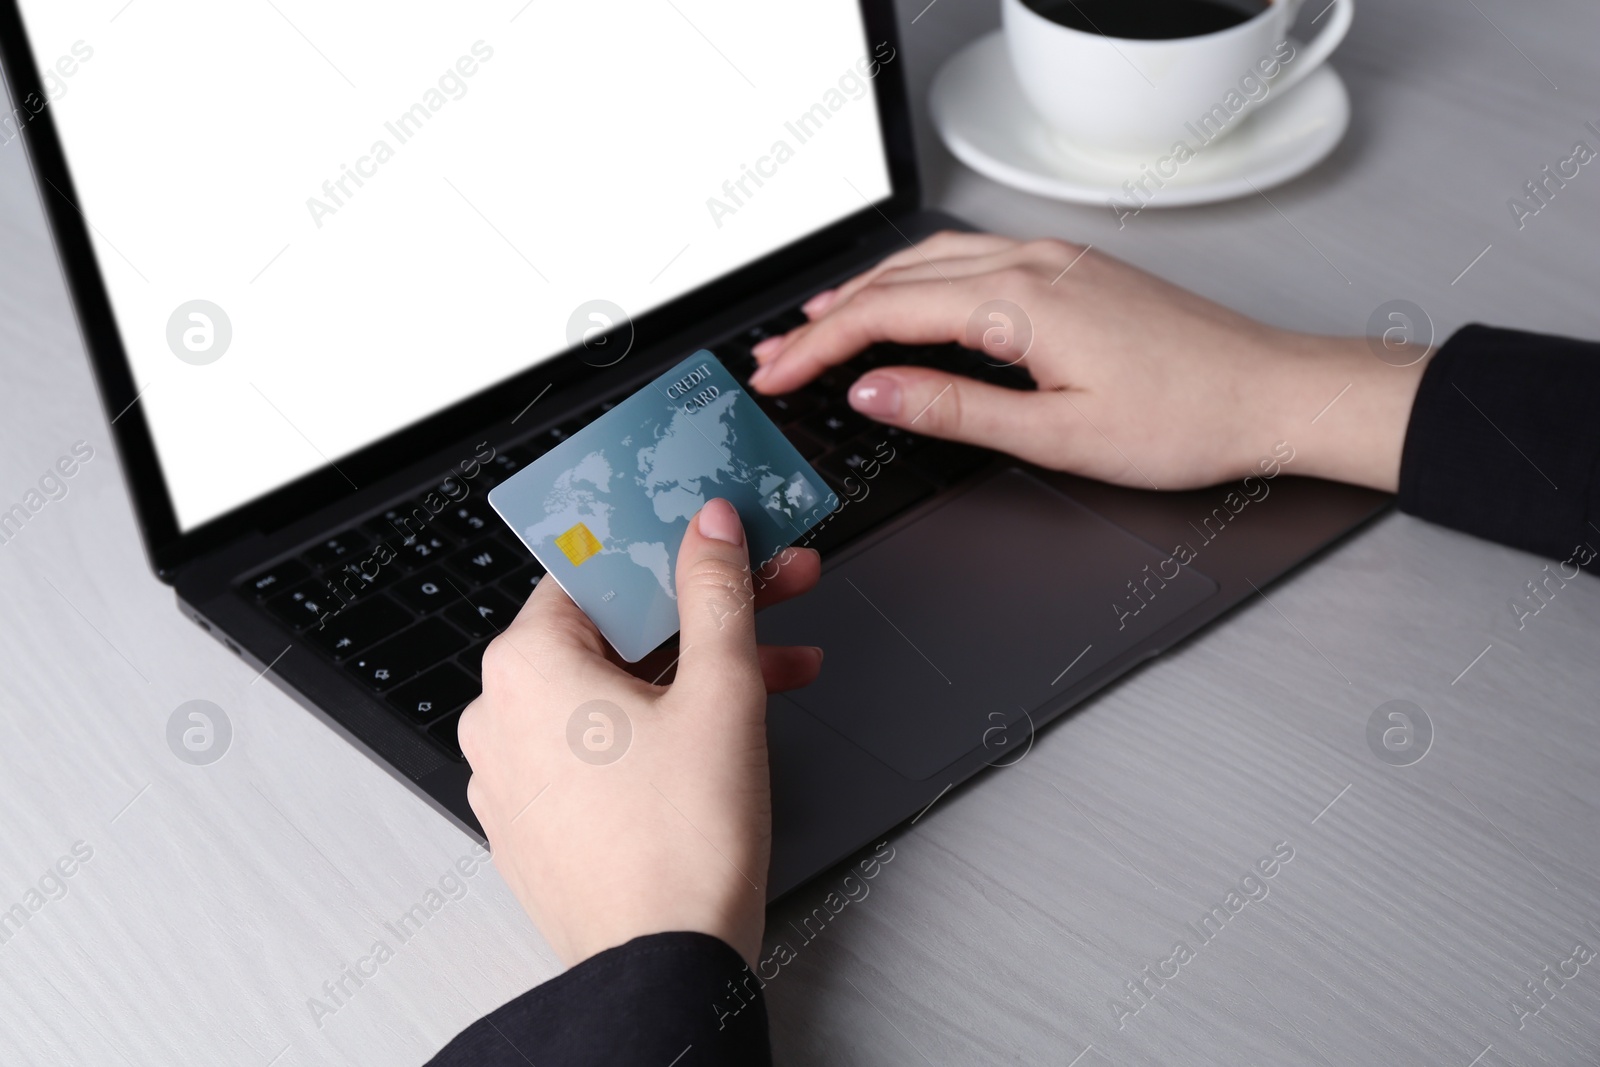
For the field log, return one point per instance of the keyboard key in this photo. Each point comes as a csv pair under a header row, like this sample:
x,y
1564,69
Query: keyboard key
x,y
897,438
945,462
736,357
790,407
835,425
868,455
485,560
275,579
520,582
336,549
433,504
354,581
406,522
444,732
781,323
831,385
453,486
530,569
437,692
522,455
304,604
406,654
427,590
471,660
359,626
470,519
483,613
505,463
808,447
422,550
544,442
784,322
521,551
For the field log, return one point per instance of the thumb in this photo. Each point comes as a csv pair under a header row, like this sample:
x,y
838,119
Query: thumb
x,y
716,604
937,404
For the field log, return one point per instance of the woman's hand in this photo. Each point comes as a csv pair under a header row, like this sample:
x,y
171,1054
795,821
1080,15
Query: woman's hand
x,y
1140,382
616,807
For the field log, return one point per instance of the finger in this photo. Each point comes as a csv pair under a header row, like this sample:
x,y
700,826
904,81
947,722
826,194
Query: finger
x,y
946,271
936,404
946,245
916,313
716,605
938,256
786,667
952,269
1052,256
788,574
980,260
549,615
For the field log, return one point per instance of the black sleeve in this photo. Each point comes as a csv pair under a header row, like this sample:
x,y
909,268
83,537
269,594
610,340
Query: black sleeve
x,y
683,999
1504,442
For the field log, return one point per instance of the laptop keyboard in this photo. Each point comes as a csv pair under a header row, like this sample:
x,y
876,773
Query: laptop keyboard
x,y
413,630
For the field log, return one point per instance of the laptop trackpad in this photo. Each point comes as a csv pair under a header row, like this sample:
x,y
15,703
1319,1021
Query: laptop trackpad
x,y
956,624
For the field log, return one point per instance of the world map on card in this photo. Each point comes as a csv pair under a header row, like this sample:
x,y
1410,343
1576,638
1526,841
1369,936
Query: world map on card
x,y
606,510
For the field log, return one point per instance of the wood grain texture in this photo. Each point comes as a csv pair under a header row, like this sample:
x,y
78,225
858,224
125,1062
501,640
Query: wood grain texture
x,y
218,899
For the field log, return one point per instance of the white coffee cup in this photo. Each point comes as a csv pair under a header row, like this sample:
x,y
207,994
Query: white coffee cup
x,y
1115,96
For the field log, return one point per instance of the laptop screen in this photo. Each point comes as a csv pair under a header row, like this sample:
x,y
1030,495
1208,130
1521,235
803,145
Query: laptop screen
x,y
320,223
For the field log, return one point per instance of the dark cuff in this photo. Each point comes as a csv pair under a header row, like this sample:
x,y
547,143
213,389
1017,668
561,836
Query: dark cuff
x,y
649,1002
1504,441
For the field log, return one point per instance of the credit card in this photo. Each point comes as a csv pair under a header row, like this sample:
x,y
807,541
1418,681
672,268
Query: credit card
x,y
606,509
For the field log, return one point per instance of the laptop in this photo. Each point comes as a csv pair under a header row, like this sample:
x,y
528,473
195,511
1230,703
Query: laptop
x,y
342,270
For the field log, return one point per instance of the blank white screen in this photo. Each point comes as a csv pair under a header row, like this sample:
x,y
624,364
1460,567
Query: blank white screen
x,y
576,161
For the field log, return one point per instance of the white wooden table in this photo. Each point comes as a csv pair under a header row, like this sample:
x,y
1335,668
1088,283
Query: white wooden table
x,y
217,900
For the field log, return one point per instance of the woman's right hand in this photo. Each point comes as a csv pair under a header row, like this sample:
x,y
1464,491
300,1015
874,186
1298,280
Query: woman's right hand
x,y
1141,383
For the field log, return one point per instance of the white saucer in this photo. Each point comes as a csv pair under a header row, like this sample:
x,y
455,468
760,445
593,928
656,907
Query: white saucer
x,y
989,125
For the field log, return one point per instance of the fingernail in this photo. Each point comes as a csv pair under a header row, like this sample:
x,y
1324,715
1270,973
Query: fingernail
x,y
819,653
761,372
877,395
819,303
768,347
719,521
